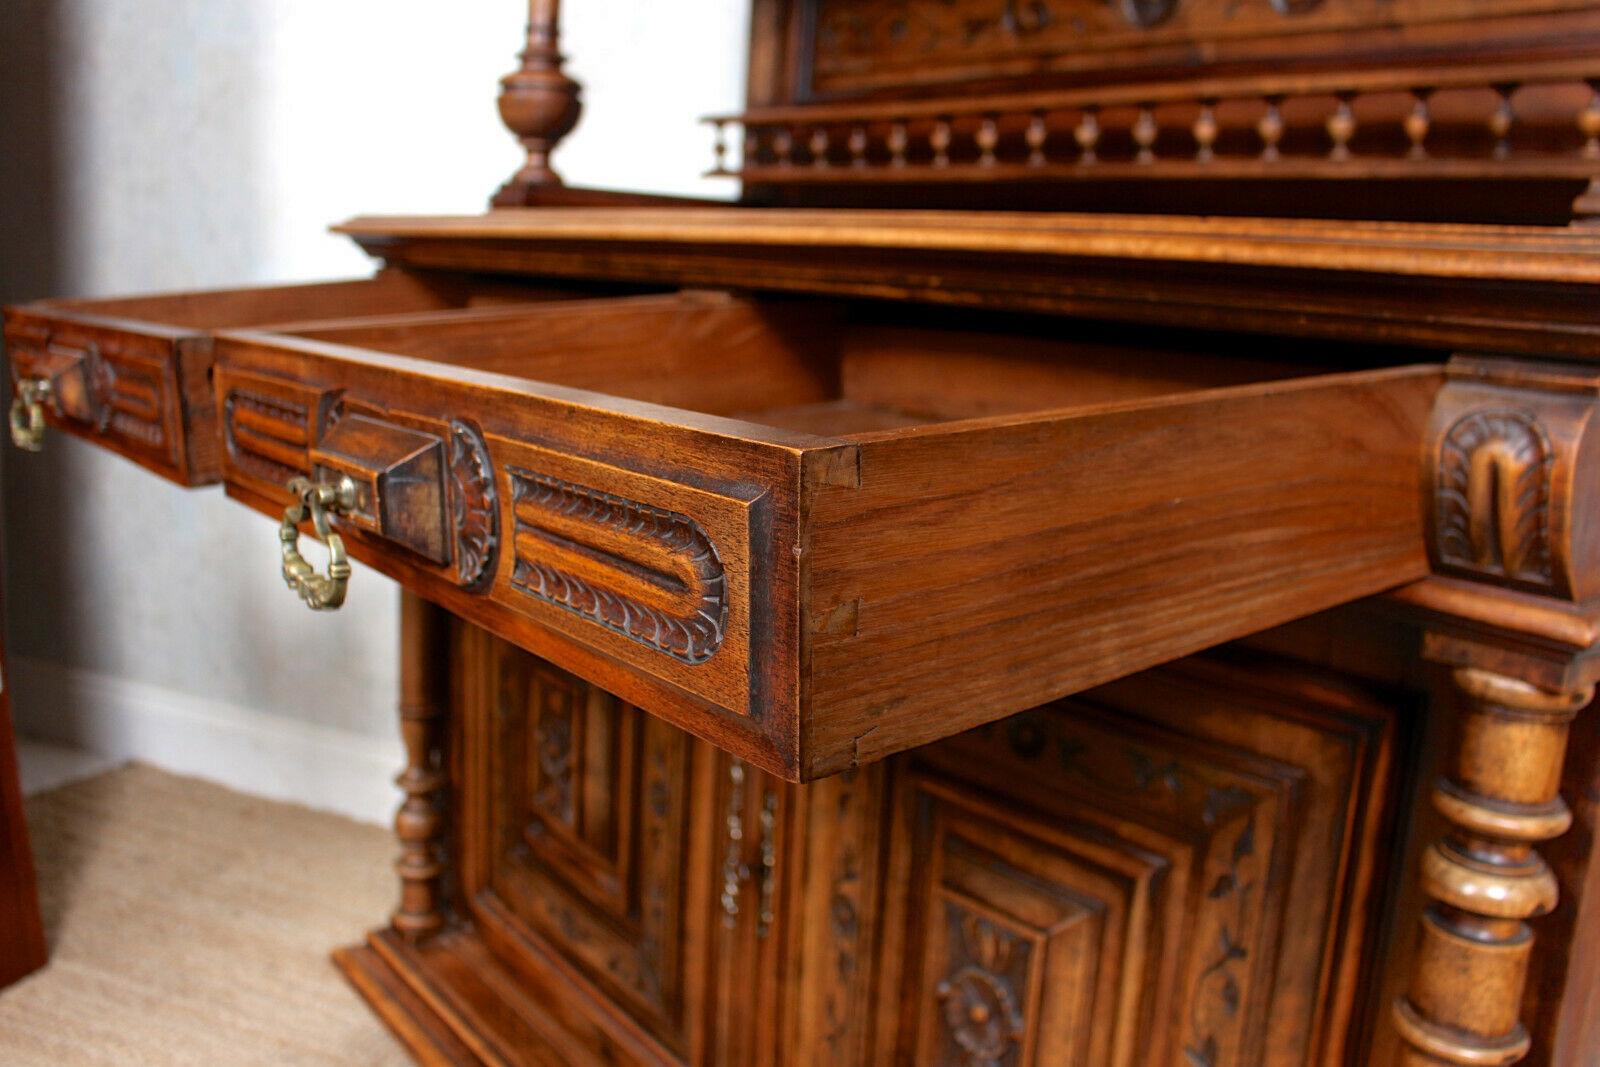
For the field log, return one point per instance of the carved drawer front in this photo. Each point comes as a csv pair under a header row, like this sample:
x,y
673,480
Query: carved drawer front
x,y
134,374
1180,872
815,538
592,846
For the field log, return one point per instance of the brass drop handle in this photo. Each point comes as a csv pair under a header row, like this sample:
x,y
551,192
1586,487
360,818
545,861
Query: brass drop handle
x,y
321,592
27,413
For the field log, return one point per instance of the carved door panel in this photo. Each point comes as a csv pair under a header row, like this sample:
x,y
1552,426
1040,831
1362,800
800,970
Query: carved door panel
x,y
593,845
1176,870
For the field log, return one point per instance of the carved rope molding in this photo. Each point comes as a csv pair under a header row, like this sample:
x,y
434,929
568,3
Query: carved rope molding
x,y
692,634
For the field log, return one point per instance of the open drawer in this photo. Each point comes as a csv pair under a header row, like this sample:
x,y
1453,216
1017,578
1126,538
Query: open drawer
x,y
815,537
134,374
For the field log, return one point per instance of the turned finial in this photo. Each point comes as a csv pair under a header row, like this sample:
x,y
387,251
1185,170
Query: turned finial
x,y
538,103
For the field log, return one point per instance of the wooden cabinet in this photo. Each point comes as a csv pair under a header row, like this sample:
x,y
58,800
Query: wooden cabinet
x,y
1186,867
797,593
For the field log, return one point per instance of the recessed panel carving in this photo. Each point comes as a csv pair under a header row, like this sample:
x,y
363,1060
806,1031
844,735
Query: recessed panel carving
x,y
652,575
268,435
586,832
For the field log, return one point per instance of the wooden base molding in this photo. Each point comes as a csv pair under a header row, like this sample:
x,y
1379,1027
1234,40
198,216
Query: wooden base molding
x,y
1485,878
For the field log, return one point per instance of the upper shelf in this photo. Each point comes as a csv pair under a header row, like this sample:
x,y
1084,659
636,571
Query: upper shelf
x,y
1426,110
1523,122
1506,288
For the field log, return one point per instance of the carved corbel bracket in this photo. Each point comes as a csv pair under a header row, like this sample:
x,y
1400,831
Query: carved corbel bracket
x,y
1515,611
1511,443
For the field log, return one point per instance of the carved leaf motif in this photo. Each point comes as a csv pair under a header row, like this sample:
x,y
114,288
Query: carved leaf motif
x,y
1492,497
555,756
476,509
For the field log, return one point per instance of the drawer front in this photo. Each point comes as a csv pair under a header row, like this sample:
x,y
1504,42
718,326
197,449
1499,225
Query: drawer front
x,y
141,390
642,554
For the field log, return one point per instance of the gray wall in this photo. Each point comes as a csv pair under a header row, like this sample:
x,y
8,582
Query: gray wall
x,y
168,144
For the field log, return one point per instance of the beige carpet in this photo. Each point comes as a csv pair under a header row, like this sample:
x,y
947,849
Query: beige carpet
x,y
191,925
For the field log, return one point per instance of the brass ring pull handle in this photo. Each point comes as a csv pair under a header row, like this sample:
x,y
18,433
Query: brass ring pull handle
x,y
321,592
27,413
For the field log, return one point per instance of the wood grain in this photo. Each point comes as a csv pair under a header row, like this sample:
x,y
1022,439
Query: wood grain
x,y
1007,591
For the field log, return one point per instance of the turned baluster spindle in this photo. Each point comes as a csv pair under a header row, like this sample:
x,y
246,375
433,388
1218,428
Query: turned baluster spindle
x,y
720,146
1145,132
1087,134
538,103
1037,133
420,822
1485,878
818,144
1501,121
1417,123
1589,122
1205,131
1341,126
899,140
1270,128
783,147
940,140
988,137
858,146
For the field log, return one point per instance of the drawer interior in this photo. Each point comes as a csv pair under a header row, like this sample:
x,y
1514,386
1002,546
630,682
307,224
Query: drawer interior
x,y
821,368
416,294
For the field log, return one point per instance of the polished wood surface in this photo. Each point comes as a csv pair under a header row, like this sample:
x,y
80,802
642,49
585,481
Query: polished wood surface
x,y
1172,847
133,374
915,534
1515,289
1317,108
1014,628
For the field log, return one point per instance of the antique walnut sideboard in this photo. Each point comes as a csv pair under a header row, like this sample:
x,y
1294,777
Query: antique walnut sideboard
x,y
1094,560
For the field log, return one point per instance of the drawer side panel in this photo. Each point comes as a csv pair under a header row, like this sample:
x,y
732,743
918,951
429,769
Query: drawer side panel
x,y
1033,559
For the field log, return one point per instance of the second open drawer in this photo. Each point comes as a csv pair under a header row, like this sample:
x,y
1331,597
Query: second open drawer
x,y
133,374
816,536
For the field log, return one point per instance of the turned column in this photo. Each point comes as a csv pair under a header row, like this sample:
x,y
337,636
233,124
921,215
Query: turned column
x,y
1516,557
1485,878
538,103
420,823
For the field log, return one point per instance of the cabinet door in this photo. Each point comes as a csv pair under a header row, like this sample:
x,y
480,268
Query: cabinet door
x,y
592,849
1177,869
